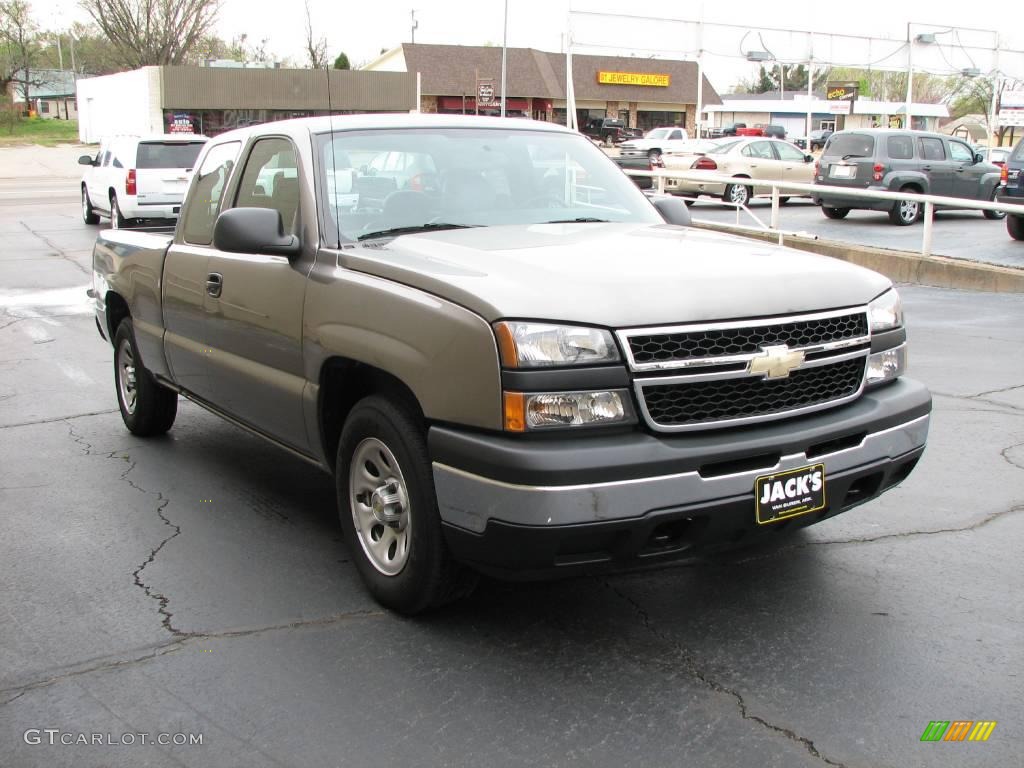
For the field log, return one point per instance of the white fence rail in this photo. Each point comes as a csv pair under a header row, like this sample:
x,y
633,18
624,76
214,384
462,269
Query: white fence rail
x,y
929,201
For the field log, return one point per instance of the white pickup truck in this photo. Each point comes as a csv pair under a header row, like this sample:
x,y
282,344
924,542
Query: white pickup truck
x,y
655,143
133,178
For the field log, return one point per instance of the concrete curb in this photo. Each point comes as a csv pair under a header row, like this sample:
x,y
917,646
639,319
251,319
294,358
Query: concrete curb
x,y
901,266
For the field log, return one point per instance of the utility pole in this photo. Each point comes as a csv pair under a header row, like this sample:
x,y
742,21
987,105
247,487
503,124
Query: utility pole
x,y
504,59
910,78
415,24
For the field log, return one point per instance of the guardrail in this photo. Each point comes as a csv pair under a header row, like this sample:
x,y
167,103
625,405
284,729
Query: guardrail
x,y
929,201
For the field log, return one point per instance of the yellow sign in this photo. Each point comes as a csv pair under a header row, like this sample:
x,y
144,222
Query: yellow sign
x,y
633,78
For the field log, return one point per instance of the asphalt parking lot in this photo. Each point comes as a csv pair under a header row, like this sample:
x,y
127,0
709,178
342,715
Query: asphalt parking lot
x,y
198,584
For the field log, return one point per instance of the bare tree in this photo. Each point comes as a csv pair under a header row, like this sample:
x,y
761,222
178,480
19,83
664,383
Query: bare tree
x,y
19,49
316,48
153,32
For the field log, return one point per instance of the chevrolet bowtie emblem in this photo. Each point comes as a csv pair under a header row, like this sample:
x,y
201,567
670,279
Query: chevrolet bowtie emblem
x,y
776,362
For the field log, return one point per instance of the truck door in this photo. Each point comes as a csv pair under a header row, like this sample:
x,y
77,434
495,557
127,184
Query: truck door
x,y
255,323
936,165
185,288
967,174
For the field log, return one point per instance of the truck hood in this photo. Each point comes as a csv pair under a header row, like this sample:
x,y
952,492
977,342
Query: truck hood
x,y
614,275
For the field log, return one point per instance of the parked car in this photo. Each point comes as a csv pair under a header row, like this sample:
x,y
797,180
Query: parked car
x,y
1012,175
531,370
133,178
655,143
744,158
763,129
818,139
610,131
901,161
645,161
731,129
995,155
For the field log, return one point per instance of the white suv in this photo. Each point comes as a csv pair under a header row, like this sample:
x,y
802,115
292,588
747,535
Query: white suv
x,y
135,177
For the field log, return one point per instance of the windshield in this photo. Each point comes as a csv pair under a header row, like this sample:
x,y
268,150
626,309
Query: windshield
x,y
171,154
657,133
375,181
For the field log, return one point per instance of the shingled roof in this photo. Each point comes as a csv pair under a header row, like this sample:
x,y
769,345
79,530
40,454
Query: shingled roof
x,y
451,70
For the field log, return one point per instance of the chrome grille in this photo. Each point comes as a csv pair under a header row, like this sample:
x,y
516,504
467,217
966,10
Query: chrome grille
x,y
706,402
713,375
738,340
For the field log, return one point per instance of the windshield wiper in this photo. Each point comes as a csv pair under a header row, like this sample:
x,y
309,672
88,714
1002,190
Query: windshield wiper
x,y
580,220
847,157
430,227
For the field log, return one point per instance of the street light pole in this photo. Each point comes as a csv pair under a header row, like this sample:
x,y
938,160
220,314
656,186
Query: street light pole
x,y
504,59
995,97
910,78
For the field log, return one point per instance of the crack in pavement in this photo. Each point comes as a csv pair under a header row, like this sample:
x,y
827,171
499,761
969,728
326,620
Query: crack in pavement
x,y
57,418
982,397
181,642
885,536
693,669
60,251
163,602
1004,453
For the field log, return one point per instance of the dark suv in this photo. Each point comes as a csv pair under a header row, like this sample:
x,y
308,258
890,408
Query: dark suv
x,y
901,161
1013,193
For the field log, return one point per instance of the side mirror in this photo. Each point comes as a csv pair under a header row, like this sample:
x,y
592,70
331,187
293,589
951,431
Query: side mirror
x,y
672,210
979,158
255,231
808,158
85,160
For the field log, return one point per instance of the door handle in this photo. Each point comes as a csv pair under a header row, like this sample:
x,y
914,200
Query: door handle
x,y
214,284
926,167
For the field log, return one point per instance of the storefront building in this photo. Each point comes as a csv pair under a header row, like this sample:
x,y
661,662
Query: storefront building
x,y
644,93
791,113
211,100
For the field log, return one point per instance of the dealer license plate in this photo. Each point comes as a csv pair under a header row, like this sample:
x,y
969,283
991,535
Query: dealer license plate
x,y
842,171
789,494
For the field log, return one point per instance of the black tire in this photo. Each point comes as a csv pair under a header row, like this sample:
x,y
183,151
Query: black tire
x,y
117,221
654,155
147,408
89,216
783,200
994,215
737,194
903,213
1015,226
834,213
426,577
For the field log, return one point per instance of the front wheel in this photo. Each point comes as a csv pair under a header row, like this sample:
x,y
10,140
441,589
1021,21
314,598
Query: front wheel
x,y
834,213
737,194
388,509
147,408
994,215
1015,226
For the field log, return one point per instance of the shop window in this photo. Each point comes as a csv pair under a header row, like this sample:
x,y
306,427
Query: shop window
x,y
44,107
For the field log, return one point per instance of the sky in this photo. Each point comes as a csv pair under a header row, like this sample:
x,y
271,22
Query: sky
x,y
362,29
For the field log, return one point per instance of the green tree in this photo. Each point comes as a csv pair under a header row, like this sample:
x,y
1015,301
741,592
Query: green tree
x,y
342,61
19,49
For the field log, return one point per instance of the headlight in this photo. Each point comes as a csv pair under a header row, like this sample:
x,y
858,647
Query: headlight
x,y
538,345
527,411
886,312
887,365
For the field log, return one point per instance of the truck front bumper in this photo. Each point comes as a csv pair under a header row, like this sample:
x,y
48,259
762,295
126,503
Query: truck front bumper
x,y
536,508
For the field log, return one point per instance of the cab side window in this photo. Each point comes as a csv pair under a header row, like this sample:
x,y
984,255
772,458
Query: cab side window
x,y
205,194
271,180
961,153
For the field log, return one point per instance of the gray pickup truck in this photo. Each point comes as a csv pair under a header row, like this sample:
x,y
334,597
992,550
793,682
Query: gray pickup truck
x,y
511,360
